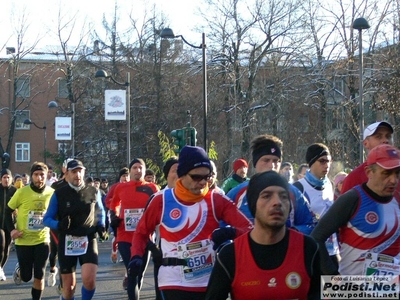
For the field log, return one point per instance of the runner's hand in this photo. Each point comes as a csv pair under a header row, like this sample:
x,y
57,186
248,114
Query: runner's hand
x,y
115,220
64,224
135,265
101,231
221,235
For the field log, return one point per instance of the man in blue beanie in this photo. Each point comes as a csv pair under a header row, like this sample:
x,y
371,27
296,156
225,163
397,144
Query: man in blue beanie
x,y
188,216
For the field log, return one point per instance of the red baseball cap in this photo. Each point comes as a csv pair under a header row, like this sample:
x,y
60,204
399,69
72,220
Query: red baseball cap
x,y
386,156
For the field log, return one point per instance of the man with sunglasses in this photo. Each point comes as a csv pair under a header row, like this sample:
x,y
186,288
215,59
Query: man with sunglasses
x,y
187,215
318,189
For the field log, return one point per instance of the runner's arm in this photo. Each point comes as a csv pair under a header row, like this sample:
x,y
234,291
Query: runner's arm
x,y
147,225
220,282
228,212
337,216
50,217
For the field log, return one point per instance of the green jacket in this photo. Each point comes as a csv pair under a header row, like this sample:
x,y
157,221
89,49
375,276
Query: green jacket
x,y
232,182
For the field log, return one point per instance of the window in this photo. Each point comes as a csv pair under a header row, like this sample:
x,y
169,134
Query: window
x,y
22,152
62,88
20,117
23,87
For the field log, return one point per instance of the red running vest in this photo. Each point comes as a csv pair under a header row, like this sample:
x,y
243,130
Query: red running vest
x,y
289,281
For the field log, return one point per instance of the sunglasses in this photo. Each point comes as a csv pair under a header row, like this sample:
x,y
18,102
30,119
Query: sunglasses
x,y
198,178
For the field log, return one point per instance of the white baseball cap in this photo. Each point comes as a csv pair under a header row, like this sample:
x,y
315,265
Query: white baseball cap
x,y
370,130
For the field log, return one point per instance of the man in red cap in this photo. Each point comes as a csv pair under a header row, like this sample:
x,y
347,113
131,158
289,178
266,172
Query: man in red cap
x,y
240,168
367,218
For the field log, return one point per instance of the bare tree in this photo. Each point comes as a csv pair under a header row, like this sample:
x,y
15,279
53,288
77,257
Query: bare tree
x,y
18,79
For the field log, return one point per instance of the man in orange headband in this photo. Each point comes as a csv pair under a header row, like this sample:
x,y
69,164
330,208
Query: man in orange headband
x,y
187,215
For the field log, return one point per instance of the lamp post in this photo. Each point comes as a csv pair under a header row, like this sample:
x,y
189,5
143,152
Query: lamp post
x,y
29,122
54,104
127,84
360,24
169,34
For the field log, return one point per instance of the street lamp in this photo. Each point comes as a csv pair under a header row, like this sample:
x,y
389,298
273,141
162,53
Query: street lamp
x,y
361,24
54,104
169,34
127,84
29,122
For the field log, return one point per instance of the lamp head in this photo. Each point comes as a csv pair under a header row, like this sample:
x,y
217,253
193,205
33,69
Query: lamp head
x,y
101,74
360,24
52,104
167,33
27,122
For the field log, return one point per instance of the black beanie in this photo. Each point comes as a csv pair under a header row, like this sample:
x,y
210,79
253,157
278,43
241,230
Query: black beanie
x,y
4,172
38,166
192,157
315,151
268,147
136,160
123,171
260,181
168,164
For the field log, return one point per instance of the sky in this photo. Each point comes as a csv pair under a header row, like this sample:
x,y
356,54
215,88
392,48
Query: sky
x,y
41,14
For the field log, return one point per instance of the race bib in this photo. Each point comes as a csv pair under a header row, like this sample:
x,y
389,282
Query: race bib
x,y
76,245
381,265
132,217
35,220
200,258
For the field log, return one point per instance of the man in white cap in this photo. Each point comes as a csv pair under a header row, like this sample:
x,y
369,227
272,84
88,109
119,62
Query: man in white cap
x,y
375,134
367,219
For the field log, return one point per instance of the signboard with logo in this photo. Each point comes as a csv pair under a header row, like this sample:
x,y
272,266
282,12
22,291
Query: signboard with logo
x,y
115,105
63,128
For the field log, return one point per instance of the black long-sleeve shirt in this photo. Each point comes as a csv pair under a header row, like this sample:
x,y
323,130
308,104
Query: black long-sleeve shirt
x,y
267,257
5,195
336,217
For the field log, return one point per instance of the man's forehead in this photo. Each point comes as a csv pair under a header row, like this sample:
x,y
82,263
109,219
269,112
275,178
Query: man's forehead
x,y
137,165
270,157
38,172
381,129
76,170
273,188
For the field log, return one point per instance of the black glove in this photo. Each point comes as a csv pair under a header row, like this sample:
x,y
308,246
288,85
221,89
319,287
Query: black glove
x,y
102,233
115,220
221,235
64,223
135,265
155,252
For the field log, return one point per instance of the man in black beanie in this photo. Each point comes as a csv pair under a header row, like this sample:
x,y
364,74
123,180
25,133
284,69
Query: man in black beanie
x,y
126,209
267,156
32,238
7,190
318,189
187,215
170,172
284,263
